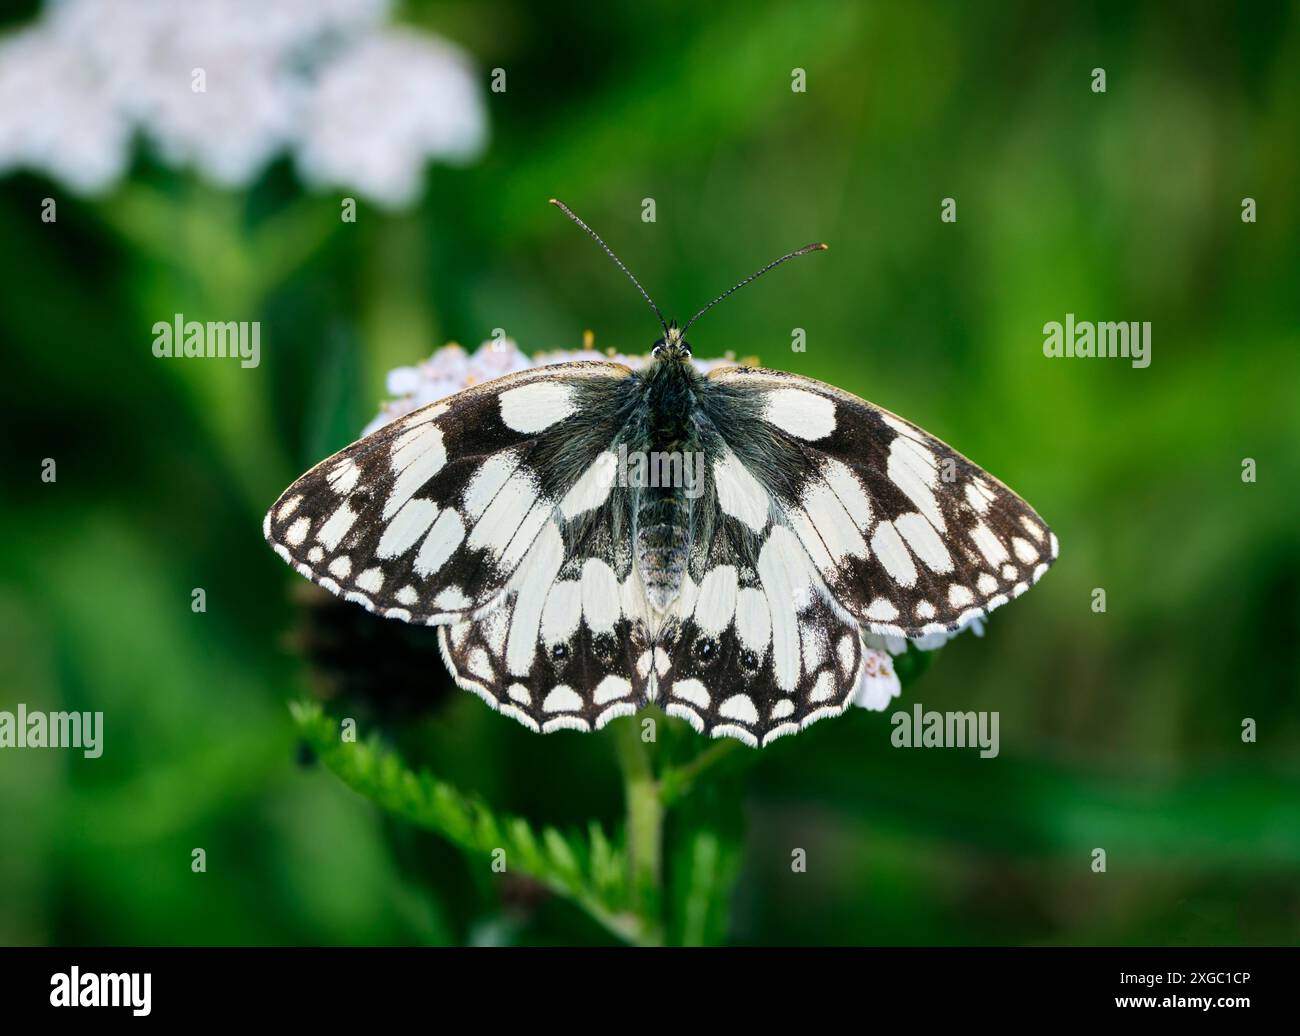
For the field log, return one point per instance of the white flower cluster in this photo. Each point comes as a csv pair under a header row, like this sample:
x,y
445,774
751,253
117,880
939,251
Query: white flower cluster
x,y
452,368
226,86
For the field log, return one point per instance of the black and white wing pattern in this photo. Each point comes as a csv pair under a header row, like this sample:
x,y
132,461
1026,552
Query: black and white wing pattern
x,y
826,517
493,515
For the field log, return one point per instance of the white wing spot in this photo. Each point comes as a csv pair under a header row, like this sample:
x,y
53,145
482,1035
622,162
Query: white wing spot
x,y
912,468
978,495
824,688
536,406
844,650
1024,550
833,523
740,707
440,544
562,698
802,414
924,541
692,691
989,545
406,528
416,463
716,604
893,554
487,481
612,688
452,599
600,600
499,523
562,612
371,580
297,532
480,665
881,610
288,507
592,489
332,532
538,569
740,494
959,596
1035,530
753,620
849,489
343,476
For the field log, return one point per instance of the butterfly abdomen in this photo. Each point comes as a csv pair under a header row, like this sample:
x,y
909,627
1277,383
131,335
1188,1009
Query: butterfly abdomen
x,y
663,506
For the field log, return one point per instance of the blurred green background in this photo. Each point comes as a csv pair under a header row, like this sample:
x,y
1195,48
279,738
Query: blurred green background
x,y
1119,730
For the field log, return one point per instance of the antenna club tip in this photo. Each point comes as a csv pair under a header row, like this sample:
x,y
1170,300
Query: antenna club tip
x,y
554,201
821,246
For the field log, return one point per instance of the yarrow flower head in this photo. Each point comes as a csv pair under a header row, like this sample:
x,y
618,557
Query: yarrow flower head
x,y
452,368
226,86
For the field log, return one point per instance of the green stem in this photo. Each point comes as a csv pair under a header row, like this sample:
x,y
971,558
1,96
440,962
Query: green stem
x,y
645,821
678,782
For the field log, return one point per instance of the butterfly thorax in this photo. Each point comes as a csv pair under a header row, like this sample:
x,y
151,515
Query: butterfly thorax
x,y
668,440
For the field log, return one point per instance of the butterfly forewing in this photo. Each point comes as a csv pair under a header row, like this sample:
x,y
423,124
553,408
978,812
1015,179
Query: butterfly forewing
x,y
908,535
428,518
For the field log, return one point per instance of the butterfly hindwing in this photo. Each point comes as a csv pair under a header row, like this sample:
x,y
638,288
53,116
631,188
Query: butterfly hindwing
x,y
755,646
567,646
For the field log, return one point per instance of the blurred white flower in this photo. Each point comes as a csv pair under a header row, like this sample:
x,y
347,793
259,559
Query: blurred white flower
x,y
56,116
382,108
363,106
879,684
451,369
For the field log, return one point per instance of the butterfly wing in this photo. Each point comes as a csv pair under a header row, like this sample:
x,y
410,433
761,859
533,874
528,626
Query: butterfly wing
x,y
494,515
826,517
908,535
428,518
566,647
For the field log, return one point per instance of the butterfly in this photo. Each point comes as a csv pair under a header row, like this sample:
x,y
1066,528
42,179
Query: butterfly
x,y
729,576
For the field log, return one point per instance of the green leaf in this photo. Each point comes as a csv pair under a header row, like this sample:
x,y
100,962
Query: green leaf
x,y
591,871
705,839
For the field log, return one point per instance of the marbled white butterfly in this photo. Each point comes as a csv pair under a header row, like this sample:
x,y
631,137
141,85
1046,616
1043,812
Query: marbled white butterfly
x,y
567,594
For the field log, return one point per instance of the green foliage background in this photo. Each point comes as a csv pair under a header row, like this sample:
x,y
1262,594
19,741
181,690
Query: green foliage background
x,y
1119,730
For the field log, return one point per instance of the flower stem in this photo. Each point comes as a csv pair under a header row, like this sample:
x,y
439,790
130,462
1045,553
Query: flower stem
x,y
645,820
677,782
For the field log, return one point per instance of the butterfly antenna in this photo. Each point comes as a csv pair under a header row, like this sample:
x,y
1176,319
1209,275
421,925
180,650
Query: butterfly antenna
x,y
818,247
617,261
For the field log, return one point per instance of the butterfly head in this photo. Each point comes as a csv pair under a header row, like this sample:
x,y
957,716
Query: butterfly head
x,y
672,346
